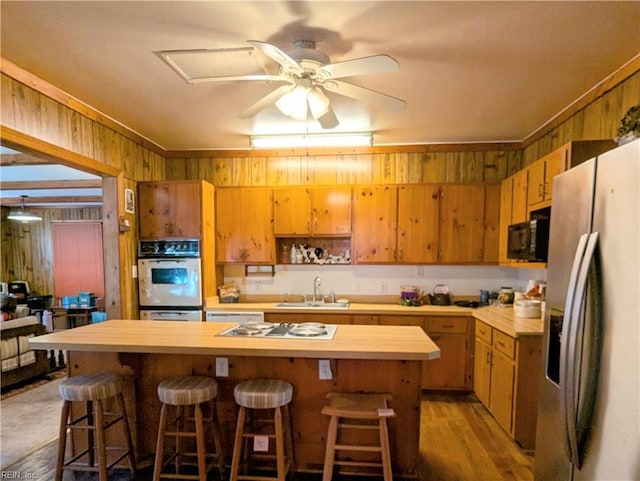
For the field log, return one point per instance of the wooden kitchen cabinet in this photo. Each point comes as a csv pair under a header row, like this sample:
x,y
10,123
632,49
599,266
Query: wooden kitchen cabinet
x,y
462,209
506,196
454,336
170,209
541,174
374,224
287,317
418,222
519,211
318,211
503,380
244,225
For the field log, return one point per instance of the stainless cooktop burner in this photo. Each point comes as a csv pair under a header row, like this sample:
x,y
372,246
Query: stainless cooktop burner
x,y
313,330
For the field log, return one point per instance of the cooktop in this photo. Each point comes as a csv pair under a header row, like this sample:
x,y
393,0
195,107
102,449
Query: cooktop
x,y
308,330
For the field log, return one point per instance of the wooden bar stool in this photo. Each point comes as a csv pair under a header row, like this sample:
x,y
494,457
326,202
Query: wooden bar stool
x,y
94,390
183,392
263,394
361,410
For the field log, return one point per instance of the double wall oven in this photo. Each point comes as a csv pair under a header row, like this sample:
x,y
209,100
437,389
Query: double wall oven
x,y
169,279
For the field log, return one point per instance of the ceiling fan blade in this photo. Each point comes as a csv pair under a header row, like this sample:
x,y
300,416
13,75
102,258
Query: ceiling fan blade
x,y
236,78
359,66
276,54
328,120
364,94
265,101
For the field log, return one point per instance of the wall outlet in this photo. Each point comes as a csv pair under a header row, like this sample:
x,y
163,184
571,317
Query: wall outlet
x,y
324,369
356,287
261,443
419,271
222,367
383,286
134,272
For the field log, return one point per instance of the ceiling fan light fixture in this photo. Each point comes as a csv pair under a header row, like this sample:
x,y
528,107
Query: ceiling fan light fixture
x,y
22,214
294,103
347,139
318,102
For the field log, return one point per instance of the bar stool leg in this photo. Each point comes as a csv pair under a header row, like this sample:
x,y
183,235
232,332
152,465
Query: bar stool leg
x,y
90,434
331,449
62,439
384,445
200,444
216,438
127,431
237,444
289,437
279,444
157,467
101,441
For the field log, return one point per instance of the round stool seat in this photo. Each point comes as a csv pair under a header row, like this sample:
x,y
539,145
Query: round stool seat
x,y
263,393
89,387
187,390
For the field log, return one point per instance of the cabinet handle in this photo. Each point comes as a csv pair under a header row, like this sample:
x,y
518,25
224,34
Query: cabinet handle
x,y
488,357
541,190
435,338
500,343
448,326
168,228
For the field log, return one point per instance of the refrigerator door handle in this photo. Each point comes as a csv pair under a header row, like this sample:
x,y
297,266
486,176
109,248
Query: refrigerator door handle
x,y
567,350
577,347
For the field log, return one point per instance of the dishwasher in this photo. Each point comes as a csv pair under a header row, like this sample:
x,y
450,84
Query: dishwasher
x,y
238,317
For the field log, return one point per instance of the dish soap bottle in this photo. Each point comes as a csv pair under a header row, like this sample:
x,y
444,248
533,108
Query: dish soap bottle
x,y
293,253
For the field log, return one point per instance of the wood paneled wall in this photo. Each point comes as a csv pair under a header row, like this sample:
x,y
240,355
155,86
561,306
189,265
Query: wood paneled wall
x,y
456,166
599,119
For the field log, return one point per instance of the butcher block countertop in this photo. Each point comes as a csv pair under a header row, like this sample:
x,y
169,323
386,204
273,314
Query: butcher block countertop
x,y
407,343
501,318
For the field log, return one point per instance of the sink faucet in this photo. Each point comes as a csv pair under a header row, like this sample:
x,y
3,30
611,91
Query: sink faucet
x,y
316,284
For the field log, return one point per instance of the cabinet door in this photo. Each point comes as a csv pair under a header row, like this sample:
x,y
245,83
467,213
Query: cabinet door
x,y
501,397
400,320
482,372
555,164
448,371
331,211
536,182
519,208
365,319
418,222
291,211
461,223
490,242
506,199
244,228
374,224
169,209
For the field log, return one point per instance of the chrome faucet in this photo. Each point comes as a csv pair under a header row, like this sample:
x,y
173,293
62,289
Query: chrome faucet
x,y
316,284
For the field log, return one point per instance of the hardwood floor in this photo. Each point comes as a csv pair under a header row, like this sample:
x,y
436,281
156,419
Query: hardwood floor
x,y
459,441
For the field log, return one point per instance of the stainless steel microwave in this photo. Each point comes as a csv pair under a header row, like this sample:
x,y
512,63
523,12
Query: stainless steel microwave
x,y
529,241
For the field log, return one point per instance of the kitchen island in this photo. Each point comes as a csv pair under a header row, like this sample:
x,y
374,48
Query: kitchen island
x,y
363,359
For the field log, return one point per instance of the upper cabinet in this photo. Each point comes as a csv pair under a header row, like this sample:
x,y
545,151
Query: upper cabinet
x,y
519,211
468,214
541,174
244,225
319,211
374,224
170,209
418,223
426,224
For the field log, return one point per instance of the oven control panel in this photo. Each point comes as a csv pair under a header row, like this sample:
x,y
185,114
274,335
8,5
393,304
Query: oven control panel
x,y
169,248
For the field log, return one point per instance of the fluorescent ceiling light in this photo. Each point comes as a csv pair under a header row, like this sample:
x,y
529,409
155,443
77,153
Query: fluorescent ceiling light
x,y
361,139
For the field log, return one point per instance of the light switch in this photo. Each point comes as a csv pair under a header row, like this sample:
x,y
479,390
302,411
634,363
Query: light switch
x,y
222,367
261,443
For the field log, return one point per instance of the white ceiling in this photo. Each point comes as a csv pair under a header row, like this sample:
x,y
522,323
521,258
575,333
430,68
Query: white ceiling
x,y
469,71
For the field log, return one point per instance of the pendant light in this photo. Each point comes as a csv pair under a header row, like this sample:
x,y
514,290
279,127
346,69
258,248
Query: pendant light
x,y
23,215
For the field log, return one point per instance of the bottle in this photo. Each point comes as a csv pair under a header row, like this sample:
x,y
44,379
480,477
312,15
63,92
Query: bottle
x,y
506,295
293,254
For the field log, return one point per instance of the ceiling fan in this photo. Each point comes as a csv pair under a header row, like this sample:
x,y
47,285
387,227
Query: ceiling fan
x,y
308,74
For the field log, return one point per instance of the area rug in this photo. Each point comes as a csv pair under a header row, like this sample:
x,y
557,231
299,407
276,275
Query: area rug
x,y
27,386
28,420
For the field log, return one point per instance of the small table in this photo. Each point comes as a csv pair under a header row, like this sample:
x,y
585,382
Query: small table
x,y
76,316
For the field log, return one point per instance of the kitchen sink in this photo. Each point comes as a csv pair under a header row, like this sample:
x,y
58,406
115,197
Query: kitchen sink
x,y
313,305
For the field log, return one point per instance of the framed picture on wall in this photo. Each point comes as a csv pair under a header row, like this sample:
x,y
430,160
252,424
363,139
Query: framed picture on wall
x,y
129,201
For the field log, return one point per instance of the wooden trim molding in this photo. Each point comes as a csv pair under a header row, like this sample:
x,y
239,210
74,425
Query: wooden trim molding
x,y
58,155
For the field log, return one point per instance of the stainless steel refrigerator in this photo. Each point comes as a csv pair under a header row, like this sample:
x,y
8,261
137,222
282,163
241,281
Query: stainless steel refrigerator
x,y
588,415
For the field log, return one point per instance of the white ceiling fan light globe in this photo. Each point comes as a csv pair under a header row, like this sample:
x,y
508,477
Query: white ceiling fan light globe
x,y
294,103
318,102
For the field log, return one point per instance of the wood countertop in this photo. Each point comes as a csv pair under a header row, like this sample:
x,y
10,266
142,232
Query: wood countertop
x,y
503,319
354,308
407,343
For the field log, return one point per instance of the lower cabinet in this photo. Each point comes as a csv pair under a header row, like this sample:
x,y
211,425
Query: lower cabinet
x,y
506,380
454,336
